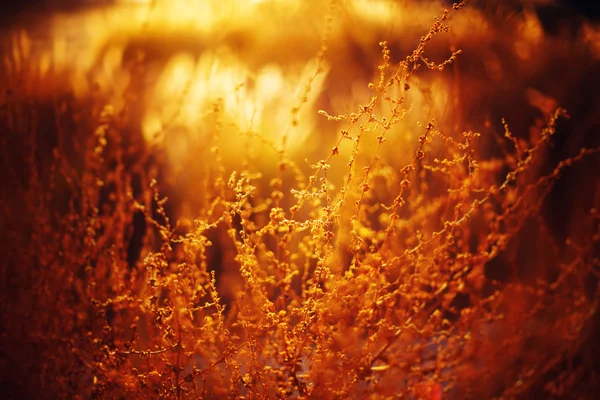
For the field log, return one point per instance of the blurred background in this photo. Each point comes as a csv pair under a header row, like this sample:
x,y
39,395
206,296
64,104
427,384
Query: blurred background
x,y
520,60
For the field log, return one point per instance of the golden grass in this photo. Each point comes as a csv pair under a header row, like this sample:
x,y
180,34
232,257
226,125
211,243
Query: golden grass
x,y
361,251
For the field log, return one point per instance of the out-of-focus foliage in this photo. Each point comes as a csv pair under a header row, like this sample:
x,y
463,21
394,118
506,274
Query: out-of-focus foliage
x,y
202,200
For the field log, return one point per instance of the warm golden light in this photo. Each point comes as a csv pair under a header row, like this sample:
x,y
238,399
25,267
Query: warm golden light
x,y
299,199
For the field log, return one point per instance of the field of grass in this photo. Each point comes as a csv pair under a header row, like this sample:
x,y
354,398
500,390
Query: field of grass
x,y
341,199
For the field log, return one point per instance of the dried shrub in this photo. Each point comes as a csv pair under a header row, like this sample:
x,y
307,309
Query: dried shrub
x,y
396,266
